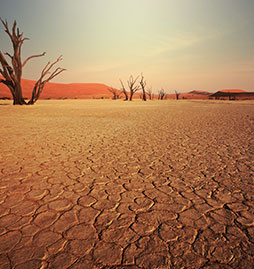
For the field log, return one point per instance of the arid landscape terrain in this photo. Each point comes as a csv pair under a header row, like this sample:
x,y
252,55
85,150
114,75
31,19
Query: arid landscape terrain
x,y
113,184
60,91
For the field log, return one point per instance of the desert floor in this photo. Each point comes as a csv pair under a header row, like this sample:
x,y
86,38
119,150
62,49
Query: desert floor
x,y
113,184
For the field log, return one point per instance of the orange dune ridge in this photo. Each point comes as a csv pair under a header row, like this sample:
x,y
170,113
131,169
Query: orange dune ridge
x,y
62,91
195,94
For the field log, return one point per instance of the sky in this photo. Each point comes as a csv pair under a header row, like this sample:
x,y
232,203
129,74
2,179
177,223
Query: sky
x,y
178,45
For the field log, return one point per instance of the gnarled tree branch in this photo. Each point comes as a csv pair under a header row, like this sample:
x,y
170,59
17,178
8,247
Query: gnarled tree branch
x,y
39,85
133,88
115,92
33,56
124,91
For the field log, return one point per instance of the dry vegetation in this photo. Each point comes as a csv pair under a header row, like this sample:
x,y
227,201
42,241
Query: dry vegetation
x,y
12,71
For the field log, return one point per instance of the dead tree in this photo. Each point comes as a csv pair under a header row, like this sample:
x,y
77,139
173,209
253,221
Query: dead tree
x,y
149,93
133,88
177,95
143,85
124,91
39,85
115,92
161,94
12,73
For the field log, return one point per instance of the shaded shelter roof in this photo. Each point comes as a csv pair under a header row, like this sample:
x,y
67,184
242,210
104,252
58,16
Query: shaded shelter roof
x,y
231,93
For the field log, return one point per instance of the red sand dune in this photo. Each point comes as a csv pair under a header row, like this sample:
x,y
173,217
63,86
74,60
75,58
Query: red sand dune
x,y
196,94
61,91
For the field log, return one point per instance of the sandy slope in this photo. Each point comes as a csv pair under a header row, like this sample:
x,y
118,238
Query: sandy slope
x,y
61,91
93,183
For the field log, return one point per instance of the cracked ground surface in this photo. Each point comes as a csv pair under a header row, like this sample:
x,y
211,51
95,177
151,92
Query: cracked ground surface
x,y
110,184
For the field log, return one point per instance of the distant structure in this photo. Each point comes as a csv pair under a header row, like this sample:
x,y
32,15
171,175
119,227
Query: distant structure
x,y
232,95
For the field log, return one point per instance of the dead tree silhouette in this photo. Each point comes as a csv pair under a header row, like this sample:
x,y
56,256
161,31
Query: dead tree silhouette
x,y
12,73
149,93
177,95
133,88
115,92
124,91
143,85
161,94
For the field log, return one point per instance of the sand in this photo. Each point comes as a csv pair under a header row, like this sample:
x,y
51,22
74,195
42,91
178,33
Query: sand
x,y
113,184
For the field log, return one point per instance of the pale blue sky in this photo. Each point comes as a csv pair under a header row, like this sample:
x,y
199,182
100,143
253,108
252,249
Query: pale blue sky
x,y
177,44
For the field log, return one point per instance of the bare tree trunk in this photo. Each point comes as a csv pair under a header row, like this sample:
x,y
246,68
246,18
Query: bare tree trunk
x,y
149,93
124,91
12,73
143,85
18,97
116,94
161,94
131,96
177,95
133,88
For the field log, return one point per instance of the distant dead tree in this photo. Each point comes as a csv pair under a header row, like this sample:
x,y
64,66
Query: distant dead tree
x,y
12,73
124,91
161,94
115,92
149,93
133,88
143,85
177,95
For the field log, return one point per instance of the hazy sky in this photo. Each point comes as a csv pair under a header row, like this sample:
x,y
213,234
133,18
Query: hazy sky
x,y
177,44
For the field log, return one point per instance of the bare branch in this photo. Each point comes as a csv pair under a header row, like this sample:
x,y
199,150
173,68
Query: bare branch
x,y
115,92
33,56
124,91
5,24
55,73
7,69
142,81
131,82
43,70
133,88
14,28
8,54
122,84
46,70
143,85
161,94
39,85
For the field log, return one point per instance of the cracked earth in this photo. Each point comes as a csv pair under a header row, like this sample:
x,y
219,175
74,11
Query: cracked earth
x,y
111,184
